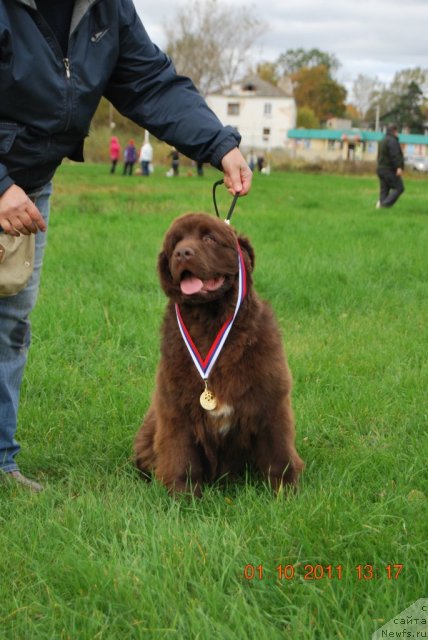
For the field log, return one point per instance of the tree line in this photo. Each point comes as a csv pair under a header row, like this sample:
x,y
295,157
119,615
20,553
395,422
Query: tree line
x,y
210,43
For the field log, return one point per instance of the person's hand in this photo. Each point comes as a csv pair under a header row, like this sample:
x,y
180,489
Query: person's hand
x,y
399,172
237,173
18,214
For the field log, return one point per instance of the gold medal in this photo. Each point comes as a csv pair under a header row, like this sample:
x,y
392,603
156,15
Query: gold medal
x,y
207,399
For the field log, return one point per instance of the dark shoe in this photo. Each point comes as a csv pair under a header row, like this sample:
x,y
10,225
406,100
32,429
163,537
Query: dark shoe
x,y
25,482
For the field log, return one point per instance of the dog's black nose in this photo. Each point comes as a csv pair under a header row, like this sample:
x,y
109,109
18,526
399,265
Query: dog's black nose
x,y
184,253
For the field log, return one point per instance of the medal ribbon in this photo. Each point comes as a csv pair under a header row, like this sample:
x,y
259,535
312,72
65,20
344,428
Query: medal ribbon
x,y
205,365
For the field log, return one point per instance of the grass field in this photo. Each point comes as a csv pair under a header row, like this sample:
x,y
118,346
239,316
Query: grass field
x,y
101,555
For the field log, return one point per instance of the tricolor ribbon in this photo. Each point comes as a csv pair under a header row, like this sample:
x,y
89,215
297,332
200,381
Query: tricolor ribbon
x,y
205,365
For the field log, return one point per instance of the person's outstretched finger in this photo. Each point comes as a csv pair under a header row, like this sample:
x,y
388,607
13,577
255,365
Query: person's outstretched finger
x,y
36,218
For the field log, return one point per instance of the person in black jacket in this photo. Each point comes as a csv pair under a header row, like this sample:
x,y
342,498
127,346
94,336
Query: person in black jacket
x,y
57,59
390,165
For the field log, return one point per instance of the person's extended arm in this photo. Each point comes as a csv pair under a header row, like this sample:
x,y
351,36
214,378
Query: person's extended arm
x,y
18,214
145,88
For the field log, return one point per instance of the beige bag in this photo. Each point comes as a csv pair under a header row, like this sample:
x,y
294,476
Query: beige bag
x,y
16,262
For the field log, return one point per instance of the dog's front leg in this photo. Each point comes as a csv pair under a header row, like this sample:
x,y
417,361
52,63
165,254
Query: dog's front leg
x,y
178,460
275,453
280,465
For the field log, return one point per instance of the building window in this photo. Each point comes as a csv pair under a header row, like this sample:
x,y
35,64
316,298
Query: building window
x,y
267,109
266,134
334,145
233,108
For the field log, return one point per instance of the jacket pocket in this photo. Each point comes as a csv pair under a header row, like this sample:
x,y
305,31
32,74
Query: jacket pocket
x,y
8,131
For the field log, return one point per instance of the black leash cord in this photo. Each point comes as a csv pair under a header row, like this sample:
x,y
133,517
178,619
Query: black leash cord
x,y
232,206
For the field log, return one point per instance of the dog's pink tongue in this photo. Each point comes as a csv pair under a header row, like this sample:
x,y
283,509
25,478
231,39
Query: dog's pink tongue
x,y
190,285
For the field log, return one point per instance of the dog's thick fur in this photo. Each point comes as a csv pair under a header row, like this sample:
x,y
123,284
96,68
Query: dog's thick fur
x,y
181,443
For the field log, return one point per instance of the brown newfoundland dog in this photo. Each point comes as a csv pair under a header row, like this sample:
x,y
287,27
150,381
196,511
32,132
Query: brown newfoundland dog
x,y
222,397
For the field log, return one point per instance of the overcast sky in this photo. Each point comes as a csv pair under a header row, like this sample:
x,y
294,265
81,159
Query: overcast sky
x,y
372,37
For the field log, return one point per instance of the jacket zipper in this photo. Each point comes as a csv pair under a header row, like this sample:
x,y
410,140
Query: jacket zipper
x,y
69,89
66,62
44,28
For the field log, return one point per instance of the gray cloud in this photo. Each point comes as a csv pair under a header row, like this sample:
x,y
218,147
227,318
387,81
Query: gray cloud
x,y
373,37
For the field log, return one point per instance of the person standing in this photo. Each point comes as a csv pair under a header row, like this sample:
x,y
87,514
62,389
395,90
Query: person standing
x,y
57,60
130,158
114,153
175,162
390,166
146,158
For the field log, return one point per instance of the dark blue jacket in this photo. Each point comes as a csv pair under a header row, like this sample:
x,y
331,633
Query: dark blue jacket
x,y
47,101
390,155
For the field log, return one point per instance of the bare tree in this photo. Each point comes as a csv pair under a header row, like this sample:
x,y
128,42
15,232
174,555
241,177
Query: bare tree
x,y
363,90
209,42
386,98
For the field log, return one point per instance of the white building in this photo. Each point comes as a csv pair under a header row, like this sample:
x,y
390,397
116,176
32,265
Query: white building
x,y
262,112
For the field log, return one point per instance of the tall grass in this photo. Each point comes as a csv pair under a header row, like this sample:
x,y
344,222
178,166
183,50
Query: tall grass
x,y
100,554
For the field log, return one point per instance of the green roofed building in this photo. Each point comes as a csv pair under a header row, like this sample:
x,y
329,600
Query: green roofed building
x,y
348,144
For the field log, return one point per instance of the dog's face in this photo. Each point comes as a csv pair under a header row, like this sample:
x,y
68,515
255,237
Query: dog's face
x,y
199,260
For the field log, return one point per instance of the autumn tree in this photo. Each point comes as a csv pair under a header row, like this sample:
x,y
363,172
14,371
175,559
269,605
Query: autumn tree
x,y
268,71
353,114
307,119
315,88
209,42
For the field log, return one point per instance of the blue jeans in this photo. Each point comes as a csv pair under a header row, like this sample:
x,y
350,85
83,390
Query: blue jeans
x,y
15,336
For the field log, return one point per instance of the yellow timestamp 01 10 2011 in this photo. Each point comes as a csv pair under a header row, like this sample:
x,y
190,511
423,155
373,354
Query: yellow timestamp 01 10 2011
x,y
316,572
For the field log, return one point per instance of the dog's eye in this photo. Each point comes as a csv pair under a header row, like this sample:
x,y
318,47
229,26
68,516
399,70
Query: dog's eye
x,y
209,238
175,240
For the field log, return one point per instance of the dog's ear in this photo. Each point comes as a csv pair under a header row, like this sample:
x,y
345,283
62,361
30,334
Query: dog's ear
x,y
248,253
164,272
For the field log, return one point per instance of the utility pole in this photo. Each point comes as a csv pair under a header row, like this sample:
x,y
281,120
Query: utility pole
x,y
377,118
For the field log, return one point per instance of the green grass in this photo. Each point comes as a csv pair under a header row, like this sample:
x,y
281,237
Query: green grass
x,y
100,554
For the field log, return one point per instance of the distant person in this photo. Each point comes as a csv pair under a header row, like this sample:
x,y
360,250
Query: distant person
x,y
146,157
114,153
390,165
260,162
251,159
175,162
130,158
